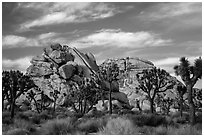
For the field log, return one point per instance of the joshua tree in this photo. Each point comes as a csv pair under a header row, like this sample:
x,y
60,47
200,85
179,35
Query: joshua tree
x,y
82,96
14,83
190,74
110,74
152,82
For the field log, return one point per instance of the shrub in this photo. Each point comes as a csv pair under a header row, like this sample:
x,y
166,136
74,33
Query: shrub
x,y
6,118
58,127
199,117
184,130
180,120
36,119
160,130
23,124
45,115
147,119
17,131
90,126
118,126
145,130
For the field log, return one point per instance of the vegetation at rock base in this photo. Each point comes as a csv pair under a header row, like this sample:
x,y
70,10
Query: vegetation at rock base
x,y
14,83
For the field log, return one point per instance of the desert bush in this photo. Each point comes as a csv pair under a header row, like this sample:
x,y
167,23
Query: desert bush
x,y
17,131
23,124
184,130
6,118
160,130
147,119
57,127
145,130
90,126
119,126
199,117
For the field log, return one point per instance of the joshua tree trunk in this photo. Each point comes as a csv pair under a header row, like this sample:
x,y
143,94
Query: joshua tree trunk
x,y
138,105
84,111
12,108
54,105
3,102
151,101
181,106
191,104
110,100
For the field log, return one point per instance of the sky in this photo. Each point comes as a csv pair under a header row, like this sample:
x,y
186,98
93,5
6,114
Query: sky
x,y
158,32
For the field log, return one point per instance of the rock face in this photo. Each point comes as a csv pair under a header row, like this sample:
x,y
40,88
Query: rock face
x,y
128,83
57,65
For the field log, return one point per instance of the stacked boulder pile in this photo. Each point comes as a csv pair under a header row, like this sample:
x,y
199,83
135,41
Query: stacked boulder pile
x,y
55,67
58,65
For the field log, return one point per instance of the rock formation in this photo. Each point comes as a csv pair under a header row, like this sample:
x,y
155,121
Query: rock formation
x,y
60,64
128,83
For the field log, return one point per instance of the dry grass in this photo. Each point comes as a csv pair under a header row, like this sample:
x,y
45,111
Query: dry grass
x,y
58,127
119,126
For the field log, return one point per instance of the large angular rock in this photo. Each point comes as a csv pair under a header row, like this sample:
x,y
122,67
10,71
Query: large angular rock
x,y
61,57
39,69
37,59
122,97
68,70
56,56
67,56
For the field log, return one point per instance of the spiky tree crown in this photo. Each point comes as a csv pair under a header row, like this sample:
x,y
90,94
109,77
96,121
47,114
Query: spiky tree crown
x,y
189,73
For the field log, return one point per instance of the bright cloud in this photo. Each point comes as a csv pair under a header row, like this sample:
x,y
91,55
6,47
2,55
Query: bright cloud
x,y
57,13
18,64
168,63
172,61
168,10
118,38
12,41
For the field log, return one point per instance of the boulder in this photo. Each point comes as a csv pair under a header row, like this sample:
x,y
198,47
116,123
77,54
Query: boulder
x,y
83,70
39,69
115,105
48,51
61,57
68,70
56,46
56,56
67,56
122,97
37,59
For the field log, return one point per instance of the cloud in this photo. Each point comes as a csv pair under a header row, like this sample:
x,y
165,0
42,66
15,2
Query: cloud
x,y
118,38
12,41
172,61
168,63
169,10
58,13
17,64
